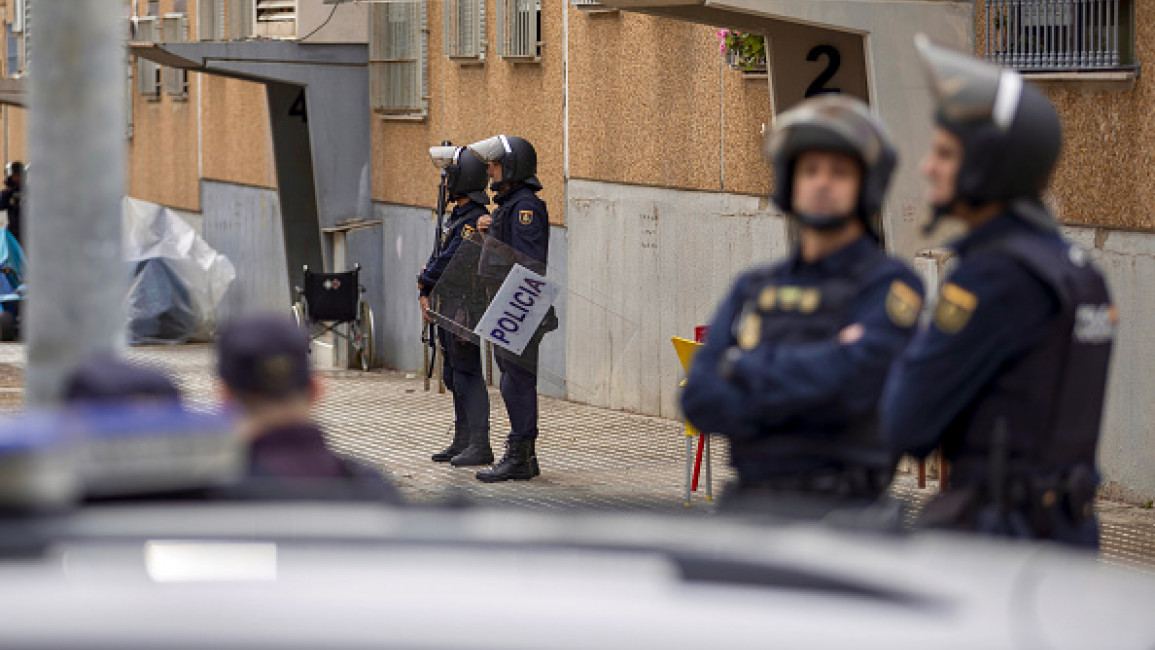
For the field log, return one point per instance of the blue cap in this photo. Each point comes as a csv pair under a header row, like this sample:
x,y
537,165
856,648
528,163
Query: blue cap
x,y
265,355
105,378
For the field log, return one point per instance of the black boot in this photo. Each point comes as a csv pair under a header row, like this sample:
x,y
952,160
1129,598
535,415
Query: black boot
x,y
478,452
460,442
518,464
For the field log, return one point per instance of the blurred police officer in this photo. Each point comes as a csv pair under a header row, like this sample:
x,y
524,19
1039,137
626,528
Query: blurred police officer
x,y
465,180
1010,374
263,361
106,380
520,222
796,355
11,196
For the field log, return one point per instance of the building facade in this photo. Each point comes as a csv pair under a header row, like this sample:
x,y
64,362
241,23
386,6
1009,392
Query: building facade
x,y
649,148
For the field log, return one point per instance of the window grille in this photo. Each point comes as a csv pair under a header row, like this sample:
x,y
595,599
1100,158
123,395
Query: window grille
x,y
147,72
518,29
1060,35
210,20
465,29
397,58
175,27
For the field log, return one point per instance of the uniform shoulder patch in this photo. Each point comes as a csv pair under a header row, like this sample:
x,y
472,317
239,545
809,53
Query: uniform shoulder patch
x,y
467,231
903,304
525,217
954,308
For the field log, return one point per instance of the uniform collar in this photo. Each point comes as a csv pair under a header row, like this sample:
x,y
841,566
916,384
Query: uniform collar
x,y
512,193
996,228
840,259
462,210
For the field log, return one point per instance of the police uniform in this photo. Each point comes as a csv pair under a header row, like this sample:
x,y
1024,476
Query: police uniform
x,y
522,222
266,358
1009,378
519,233
1009,375
780,374
799,406
462,371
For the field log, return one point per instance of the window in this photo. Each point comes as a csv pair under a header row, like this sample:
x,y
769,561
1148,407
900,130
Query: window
x,y
17,32
12,61
397,59
276,18
147,72
176,79
1061,35
210,20
518,27
465,29
240,19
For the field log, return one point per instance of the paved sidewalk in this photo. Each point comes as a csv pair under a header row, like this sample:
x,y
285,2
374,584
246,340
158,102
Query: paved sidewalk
x,y
590,457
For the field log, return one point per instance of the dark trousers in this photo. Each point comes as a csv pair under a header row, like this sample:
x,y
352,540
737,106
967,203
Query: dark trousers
x,y
519,391
461,372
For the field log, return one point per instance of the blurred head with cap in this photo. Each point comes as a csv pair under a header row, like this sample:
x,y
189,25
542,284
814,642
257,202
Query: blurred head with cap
x,y
263,361
105,380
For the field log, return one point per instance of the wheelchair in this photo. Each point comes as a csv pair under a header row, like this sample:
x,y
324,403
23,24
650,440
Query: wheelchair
x,y
329,300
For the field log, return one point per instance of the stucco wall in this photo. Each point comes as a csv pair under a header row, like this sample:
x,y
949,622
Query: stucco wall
x,y
236,141
471,102
646,111
1104,175
15,133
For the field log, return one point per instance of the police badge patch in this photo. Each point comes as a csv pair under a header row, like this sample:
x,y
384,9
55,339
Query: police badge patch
x,y
954,309
525,217
902,304
750,331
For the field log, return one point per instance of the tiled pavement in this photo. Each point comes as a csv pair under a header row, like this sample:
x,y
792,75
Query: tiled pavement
x,y
591,457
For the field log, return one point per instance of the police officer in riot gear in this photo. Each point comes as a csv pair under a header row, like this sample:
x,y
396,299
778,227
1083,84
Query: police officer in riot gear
x,y
465,183
797,353
10,197
1010,373
520,222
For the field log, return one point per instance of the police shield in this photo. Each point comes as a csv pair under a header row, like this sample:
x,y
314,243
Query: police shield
x,y
491,293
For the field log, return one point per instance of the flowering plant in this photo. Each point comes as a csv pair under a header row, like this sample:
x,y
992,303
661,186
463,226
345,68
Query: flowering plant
x,y
744,50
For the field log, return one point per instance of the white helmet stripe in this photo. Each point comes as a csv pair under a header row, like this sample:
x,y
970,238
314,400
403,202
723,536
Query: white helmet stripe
x,y
1007,99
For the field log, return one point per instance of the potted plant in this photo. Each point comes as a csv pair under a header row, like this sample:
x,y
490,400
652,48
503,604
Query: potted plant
x,y
743,51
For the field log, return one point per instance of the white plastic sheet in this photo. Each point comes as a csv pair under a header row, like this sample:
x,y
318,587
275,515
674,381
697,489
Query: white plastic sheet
x,y
178,279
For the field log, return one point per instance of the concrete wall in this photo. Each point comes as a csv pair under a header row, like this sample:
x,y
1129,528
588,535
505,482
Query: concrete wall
x,y
408,241
244,224
1127,448
646,264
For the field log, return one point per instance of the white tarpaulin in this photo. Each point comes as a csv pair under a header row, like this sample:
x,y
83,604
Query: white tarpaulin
x,y
178,279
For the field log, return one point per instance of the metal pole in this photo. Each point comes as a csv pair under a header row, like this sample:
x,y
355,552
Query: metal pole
x,y
77,274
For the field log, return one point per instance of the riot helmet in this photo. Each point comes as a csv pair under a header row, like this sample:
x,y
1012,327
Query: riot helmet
x,y
832,123
1010,132
517,157
13,168
465,173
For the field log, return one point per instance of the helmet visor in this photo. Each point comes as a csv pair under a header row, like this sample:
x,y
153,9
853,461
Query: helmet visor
x,y
443,156
967,89
491,149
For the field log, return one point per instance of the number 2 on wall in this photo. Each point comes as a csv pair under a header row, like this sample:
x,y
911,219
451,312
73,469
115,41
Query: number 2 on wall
x,y
833,61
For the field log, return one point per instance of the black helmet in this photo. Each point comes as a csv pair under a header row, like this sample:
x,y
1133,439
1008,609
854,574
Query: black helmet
x,y
464,172
13,168
517,157
832,123
1010,132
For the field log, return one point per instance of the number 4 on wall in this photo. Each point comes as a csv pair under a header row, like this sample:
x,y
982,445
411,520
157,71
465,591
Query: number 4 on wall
x,y
833,62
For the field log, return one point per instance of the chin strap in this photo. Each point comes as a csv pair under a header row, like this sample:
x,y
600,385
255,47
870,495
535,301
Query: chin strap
x,y
822,223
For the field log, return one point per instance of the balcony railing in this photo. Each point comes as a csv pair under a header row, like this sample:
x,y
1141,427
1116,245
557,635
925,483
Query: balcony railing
x,y
1060,35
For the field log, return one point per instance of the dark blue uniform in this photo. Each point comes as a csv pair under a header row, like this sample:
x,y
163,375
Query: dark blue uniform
x,y
1009,378
461,369
521,222
798,404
